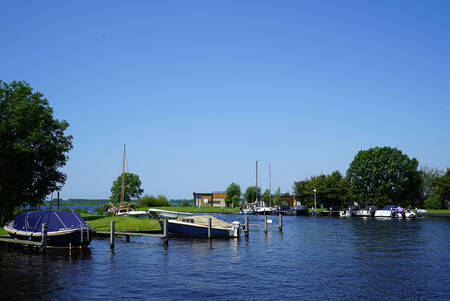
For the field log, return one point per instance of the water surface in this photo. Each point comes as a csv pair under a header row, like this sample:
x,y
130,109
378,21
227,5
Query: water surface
x,y
315,258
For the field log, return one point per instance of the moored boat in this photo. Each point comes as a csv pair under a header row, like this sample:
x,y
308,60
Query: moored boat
x,y
65,228
159,213
197,225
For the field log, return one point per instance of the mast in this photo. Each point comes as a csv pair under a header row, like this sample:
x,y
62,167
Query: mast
x,y
256,190
270,185
123,177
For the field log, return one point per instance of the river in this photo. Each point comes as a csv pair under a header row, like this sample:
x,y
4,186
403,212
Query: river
x,y
314,258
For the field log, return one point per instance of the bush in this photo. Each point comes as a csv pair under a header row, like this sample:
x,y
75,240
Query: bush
x,y
152,201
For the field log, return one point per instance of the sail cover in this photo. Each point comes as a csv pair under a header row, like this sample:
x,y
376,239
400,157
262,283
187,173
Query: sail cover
x,y
56,220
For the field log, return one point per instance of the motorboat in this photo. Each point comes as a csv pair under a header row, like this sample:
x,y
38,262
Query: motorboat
x,y
159,213
135,213
248,211
197,225
263,210
300,210
420,212
64,228
349,211
386,211
410,214
369,211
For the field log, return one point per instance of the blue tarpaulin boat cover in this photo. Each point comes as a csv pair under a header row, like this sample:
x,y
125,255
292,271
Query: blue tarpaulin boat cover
x,y
56,220
389,207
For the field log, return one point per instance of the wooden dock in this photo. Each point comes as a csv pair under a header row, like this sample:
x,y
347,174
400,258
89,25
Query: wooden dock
x,y
7,239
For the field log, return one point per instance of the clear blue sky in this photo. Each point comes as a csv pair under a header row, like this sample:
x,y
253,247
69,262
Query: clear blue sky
x,y
200,90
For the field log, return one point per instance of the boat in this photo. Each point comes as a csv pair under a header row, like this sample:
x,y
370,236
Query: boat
x,y
135,213
263,210
159,213
369,211
248,211
65,228
349,211
197,225
300,210
296,210
410,214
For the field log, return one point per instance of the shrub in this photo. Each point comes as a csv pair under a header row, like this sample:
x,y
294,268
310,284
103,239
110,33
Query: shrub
x,y
152,201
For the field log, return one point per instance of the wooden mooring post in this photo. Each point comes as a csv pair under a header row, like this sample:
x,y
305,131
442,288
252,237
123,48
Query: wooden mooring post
x,y
280,222
165,234
111,235
209,227
265,223
246,227
44,237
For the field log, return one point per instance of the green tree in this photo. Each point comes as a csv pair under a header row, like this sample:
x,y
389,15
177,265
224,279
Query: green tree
x,y
132,188
232,190
266,197
443,188
33,148
330,190
252,194
430,177
235,201
384,175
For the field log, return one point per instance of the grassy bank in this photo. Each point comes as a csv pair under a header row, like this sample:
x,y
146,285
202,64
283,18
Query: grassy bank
x,y
103,223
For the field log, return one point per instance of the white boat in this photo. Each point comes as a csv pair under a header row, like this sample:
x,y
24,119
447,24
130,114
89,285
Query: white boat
x,y
167,213
410,214
420,212
197,225
135,213
383,213
264,210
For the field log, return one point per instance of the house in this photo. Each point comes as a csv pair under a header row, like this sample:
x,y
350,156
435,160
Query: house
x,y
210,199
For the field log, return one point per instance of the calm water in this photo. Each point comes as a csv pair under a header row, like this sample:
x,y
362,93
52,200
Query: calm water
x,y
315,258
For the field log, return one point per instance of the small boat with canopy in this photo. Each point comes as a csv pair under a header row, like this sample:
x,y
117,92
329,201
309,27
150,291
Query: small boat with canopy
x,y
65,228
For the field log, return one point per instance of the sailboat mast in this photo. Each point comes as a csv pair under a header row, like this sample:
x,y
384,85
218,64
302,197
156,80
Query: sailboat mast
x,y
256,190
270,184
123,177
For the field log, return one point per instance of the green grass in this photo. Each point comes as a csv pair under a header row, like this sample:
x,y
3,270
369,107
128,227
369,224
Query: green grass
x,y
3,232
437,211
103,223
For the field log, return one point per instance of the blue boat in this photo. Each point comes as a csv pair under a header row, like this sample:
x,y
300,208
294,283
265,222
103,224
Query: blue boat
x,y
197,225
64,228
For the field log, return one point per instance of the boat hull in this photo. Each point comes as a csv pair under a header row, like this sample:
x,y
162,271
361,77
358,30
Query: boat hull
x,y
188,229
76,238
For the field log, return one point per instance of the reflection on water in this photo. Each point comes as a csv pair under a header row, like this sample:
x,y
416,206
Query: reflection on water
x,y
314,258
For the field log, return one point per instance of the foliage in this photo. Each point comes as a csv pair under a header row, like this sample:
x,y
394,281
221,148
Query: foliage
x,y
252,194
200,209
276,197
235,201
232,191
152,201
182,202
331,190
430,177
33,148
384,175
132,188
266,197
443,187
433,201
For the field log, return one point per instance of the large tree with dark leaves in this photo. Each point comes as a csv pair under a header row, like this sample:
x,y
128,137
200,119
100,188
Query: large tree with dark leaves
x,y
384,175
33,148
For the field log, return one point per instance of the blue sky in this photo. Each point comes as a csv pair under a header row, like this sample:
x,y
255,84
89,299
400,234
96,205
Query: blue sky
x,y
200,90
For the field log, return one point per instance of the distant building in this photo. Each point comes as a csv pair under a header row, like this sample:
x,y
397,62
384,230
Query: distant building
x,y
210,199
289,200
